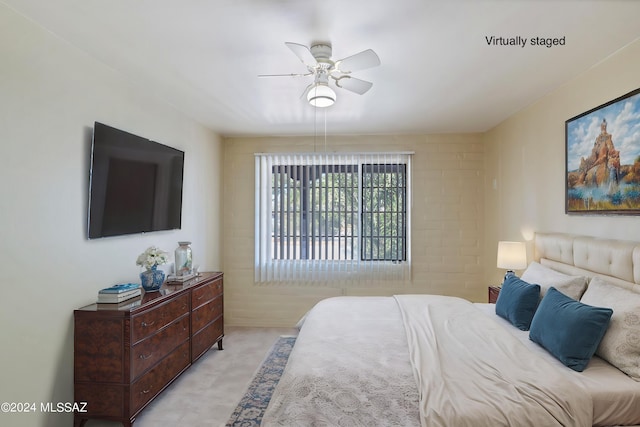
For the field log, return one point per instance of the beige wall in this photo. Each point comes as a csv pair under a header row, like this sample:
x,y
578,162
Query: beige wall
x,y
447,231
525,157
50,95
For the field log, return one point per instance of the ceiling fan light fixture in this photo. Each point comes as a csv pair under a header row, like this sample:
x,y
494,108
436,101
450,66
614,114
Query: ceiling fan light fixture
x,y
321,95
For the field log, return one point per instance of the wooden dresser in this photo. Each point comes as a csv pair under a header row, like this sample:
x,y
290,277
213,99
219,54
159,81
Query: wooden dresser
x,y
123,358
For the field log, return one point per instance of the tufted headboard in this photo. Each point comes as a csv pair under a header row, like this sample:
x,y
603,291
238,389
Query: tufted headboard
x,y
616,261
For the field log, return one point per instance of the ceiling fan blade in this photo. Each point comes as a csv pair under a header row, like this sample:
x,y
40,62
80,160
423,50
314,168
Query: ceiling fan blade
x,y
285,75
360,61
354,85
303,53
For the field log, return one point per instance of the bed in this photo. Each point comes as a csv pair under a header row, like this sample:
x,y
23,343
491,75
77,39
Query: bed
x,y
427,360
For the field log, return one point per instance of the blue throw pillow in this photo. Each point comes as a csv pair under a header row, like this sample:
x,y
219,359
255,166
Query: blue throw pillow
x,y
569,329
517,302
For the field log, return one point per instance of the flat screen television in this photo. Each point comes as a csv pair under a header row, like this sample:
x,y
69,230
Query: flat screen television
x,y
135,185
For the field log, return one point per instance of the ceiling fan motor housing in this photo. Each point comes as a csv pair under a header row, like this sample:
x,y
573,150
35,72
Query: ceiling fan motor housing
x,y
322,53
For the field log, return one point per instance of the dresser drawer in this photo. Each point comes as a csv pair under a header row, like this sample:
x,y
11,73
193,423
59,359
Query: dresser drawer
x,y
154,381
148,352
206,313
206,293
147,323
204,339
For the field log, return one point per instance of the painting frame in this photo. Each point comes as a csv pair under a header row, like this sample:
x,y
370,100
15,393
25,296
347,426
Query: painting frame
x,y
602,159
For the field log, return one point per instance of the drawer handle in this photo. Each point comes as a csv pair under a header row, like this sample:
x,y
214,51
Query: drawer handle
x,y
147,391
200,297
143,357
145,324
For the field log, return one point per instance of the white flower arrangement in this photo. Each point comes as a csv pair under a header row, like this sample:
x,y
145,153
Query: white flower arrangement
x,y
152,257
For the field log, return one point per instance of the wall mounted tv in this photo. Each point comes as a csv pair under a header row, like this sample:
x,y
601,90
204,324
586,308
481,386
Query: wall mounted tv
x,y
135,185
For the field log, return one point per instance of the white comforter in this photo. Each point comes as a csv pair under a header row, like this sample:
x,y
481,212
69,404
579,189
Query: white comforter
x,y
472,372
418,360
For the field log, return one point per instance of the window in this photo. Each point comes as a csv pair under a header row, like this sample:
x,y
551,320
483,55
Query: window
x,y
332,216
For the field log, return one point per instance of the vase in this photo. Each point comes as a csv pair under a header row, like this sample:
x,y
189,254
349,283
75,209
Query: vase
x,y
184,259
152,279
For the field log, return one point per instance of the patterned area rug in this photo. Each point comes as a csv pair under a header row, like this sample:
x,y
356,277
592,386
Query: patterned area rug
x,y
251,408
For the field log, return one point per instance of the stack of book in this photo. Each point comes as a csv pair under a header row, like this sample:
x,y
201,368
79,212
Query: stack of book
x,y
120,294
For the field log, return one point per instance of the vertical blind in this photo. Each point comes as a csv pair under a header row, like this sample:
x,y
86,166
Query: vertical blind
x,y
328,217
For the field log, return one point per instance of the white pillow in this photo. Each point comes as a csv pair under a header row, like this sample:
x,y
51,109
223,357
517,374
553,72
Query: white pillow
x,y
620,345
538,274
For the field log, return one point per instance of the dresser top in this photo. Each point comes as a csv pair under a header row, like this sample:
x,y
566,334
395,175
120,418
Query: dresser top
x,y
167,291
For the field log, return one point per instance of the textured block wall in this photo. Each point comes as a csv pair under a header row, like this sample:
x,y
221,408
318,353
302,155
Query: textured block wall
x,y
447,224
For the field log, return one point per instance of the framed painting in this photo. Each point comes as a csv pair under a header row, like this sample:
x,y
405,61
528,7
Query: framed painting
x,y
603,159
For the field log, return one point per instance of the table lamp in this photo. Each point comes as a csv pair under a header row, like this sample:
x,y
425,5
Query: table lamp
x,y
512,256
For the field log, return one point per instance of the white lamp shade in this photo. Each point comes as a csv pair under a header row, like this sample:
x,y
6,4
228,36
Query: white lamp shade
x,y
512,255
321,95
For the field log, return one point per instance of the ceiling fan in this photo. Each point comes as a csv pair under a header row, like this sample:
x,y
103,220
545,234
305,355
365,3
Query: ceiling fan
x,y
317,59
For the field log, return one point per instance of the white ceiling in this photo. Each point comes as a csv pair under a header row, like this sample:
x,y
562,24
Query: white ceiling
x,y
438,73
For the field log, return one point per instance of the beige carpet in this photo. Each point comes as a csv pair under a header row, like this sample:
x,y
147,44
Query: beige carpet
x,y
208,392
